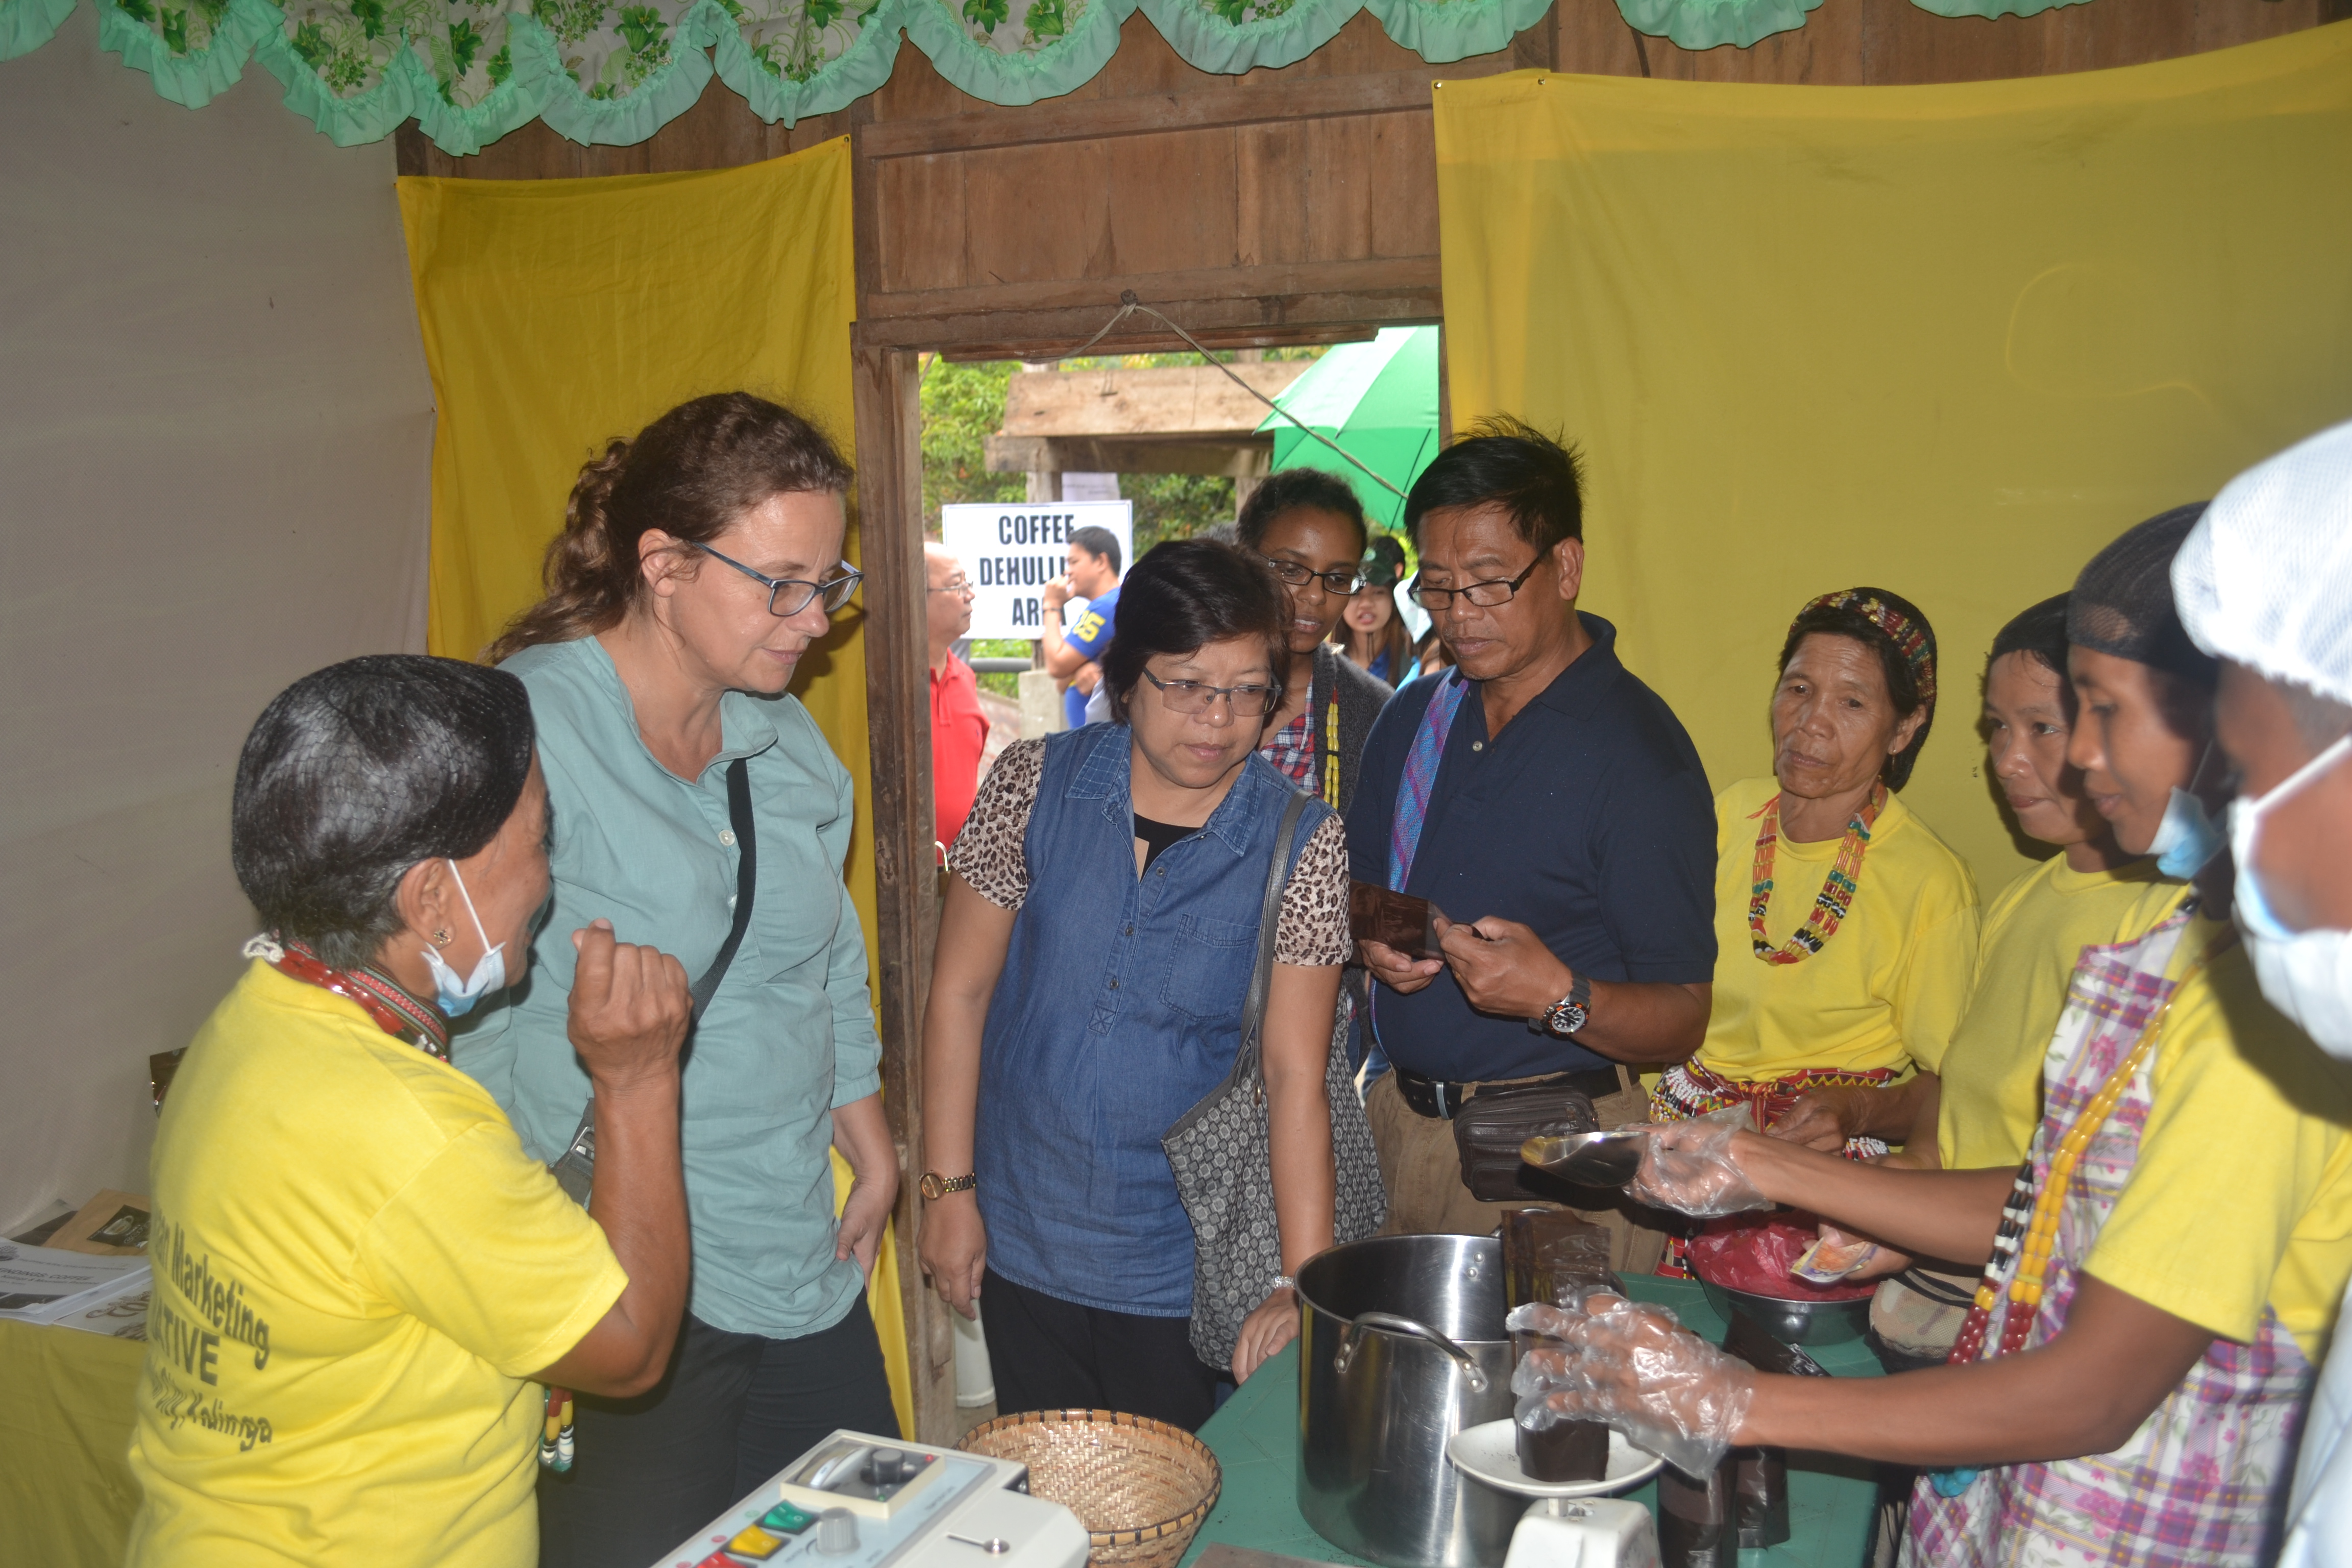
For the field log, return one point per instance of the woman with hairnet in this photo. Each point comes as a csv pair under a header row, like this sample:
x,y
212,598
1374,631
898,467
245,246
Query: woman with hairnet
x,y
2264,584
2159,1274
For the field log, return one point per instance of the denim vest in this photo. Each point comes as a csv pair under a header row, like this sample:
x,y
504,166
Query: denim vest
x,y
1119,1008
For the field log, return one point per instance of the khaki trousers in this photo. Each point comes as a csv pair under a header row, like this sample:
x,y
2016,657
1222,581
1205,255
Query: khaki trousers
x,y
1423,1171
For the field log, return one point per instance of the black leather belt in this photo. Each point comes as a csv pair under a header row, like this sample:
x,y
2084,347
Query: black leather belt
x,y
1439,1099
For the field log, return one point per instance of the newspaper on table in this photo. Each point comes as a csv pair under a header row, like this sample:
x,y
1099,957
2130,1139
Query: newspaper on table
x,y
44,1284
119,1313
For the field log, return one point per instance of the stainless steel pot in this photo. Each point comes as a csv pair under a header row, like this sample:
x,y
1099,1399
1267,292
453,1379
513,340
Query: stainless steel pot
x,y
1400,1346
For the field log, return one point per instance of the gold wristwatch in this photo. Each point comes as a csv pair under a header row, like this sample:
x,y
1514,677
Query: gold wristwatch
x,y
934,1185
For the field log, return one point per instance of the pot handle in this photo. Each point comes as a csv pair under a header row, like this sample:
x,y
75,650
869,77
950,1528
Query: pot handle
x,y
1349,1340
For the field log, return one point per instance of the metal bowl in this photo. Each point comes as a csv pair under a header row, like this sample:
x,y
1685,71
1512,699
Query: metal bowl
x,y
1793,1322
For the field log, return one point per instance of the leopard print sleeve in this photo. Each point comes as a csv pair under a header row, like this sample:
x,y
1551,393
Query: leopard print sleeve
x,y
988,853
1313,927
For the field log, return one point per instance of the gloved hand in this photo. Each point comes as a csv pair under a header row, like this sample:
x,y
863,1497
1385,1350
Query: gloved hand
x,y
1636,1369
1687,1166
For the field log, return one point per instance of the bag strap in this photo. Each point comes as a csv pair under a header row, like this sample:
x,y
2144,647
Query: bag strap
x,y
1269,915
747,879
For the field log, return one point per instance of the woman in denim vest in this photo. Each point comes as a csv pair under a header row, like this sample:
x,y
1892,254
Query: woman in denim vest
x,y
1100,929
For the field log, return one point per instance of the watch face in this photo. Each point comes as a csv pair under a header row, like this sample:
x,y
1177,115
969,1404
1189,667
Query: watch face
x,y
933,1186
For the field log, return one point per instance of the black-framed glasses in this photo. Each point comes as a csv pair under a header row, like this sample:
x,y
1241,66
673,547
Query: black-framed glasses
x,y
835,590
1199,696
1494,591
1343,582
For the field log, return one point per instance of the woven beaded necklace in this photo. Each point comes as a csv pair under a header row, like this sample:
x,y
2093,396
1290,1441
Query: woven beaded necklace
x,y
391,1009
1837,888
2029,1218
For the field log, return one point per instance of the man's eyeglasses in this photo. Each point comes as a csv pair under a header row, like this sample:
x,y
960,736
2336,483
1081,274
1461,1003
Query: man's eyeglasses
x,y
1197,697
835,590
1494,591
956,585
1343,582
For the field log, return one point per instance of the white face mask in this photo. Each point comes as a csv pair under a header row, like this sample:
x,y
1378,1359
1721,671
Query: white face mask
x,y
2307,975
457,997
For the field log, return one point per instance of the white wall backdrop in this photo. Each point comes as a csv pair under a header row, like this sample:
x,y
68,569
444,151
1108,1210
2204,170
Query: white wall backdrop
x,y
214,431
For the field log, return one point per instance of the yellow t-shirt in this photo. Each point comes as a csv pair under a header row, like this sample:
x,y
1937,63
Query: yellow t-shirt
x,y
356,1264
2242,1192
2032,934
1885,991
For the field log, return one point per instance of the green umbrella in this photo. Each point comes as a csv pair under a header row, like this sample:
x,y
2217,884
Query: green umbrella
x,y
1378,400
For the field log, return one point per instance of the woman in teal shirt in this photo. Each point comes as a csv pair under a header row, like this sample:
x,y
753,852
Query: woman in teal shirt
x,y
697,564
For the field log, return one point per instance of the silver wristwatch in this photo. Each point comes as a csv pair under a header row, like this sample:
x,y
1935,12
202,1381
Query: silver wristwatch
x,y
1569,1014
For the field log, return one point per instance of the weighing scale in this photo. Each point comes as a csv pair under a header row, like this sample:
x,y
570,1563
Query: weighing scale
x,y
856,1500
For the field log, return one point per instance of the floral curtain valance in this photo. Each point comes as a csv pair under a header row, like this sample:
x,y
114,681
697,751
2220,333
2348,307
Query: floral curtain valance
x,y
612,71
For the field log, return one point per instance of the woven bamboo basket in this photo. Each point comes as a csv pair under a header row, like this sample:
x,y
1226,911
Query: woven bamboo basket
x,y
1141,1487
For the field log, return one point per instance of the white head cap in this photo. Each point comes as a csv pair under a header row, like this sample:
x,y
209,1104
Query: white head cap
x,y
2265,578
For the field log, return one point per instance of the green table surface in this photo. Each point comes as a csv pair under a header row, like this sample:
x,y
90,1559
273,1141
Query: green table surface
x,y
1832,1501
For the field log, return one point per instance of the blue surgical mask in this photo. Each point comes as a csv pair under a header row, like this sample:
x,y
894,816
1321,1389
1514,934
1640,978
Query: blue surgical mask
x,y
2186,839
457,997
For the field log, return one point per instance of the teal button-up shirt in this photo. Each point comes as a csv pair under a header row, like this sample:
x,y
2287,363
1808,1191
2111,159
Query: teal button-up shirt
x,y
790,1034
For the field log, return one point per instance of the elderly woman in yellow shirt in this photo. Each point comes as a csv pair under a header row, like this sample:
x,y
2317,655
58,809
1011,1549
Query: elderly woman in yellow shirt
x,y
1846,929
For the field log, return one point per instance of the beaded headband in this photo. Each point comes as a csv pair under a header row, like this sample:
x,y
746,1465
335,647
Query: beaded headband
x,y
1909,637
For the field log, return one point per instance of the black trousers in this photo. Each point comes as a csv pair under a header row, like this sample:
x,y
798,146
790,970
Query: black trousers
x,y
732,1410
1052,1354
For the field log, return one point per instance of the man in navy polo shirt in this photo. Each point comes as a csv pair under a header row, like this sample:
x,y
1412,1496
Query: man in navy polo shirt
x,y
1549,801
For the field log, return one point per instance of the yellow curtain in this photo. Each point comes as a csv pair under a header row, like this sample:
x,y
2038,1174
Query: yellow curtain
x,y
1946,340
558,313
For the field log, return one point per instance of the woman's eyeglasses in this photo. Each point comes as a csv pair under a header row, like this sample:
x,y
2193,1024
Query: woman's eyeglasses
x,y
1343,582
836,591
1485,595
1198,697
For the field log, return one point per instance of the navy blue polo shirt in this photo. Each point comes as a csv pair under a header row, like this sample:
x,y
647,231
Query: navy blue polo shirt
x,y
1589,819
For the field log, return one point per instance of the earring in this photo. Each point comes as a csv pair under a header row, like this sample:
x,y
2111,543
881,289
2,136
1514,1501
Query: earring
x,y
441,937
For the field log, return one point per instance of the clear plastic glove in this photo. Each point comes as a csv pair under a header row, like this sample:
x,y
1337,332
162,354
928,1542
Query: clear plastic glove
x,y
1636,1369
1687,1166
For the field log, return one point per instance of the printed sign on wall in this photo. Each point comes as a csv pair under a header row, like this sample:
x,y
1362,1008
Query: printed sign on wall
x,y
1011,553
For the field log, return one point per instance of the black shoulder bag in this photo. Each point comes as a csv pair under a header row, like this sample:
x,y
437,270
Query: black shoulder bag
x,y
575,1168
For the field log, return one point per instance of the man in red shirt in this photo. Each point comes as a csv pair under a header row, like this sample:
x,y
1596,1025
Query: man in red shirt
x,y
959,729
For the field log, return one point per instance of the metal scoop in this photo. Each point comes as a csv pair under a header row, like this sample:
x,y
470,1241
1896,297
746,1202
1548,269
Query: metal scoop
x,y
1605,1159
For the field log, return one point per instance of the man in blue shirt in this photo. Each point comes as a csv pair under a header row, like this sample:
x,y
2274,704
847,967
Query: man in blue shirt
x,y
1543,797
1092,574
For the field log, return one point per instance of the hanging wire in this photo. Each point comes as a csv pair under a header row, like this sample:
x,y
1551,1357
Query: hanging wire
x,y
1129,305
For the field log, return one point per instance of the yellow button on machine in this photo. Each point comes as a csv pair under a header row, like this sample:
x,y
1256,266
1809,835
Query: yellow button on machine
x,y
755,1543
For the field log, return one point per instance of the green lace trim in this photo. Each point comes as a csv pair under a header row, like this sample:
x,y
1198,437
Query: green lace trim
x,y
1443,30
615,71
790,60
1992,8
1708,24
984,48
27,25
